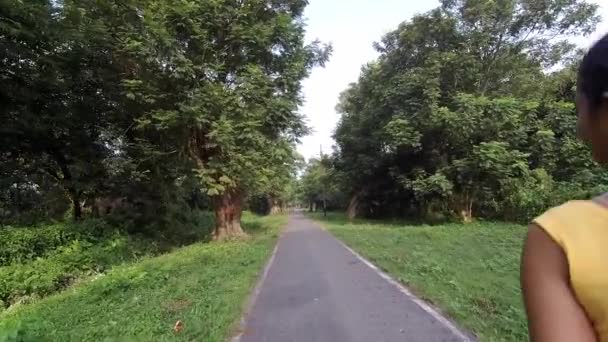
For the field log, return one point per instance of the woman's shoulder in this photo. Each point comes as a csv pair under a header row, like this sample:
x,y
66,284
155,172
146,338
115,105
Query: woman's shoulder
x,y
571,209
573,218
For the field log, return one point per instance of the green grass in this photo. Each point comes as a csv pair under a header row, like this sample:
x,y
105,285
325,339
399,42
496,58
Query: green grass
x,y
41,260
471,272
203,285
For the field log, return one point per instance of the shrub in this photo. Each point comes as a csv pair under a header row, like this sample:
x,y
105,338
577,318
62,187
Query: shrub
x,y
22,244
38,261
62,267
259,205
173,224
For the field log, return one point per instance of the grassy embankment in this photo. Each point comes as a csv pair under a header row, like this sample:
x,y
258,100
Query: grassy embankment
x,y
471,272
138,297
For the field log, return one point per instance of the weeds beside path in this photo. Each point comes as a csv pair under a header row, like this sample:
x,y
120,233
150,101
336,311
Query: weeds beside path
x,y
203,285
470,271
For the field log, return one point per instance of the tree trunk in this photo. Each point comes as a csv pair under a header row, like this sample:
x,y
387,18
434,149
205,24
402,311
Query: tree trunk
x,y
274,206
228,209
353,207
76,205
67,182
465,216
275,210
467,213
269,205
464,206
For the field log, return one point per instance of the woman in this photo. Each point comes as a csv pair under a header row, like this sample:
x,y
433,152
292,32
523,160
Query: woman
x,y
565,259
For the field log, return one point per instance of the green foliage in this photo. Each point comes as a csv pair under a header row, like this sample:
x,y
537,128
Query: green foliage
x,y
144,102
133,117
434,186
402,135
260,205
232,117
41,260
318,185
22,283
25,200
60,92
18,332
277,192
460,117
22,244
470,271
203,285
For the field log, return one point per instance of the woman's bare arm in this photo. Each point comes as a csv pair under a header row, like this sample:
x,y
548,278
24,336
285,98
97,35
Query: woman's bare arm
x,y
554,314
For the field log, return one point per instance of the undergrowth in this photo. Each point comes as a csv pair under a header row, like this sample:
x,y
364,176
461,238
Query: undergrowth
x,y
203,286
37,261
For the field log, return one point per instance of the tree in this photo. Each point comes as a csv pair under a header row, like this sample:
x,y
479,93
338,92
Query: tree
x,y
459,112
318,185
59,91
234,71
280,191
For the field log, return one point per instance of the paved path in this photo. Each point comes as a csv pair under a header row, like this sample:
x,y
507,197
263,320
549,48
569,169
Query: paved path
x,y
316,290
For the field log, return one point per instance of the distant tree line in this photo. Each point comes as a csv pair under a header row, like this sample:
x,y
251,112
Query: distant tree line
x,y
468,112
151,107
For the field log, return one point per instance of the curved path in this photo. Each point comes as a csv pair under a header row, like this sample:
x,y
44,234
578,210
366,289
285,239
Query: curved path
x,y
315,289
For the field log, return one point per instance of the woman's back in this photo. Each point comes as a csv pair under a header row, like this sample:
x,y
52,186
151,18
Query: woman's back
x,y
580,228
564,278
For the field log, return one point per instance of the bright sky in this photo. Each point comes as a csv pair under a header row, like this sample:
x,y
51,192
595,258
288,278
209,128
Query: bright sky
x,y
352,26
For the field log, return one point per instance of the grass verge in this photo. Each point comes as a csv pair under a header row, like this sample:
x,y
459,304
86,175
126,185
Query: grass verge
x,y
469,271
41,260
203,285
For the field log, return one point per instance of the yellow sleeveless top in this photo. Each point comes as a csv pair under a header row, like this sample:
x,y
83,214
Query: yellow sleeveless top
x,y
581,229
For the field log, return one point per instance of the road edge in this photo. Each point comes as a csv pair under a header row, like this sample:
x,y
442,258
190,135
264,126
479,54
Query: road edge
x,y
435,313
253,296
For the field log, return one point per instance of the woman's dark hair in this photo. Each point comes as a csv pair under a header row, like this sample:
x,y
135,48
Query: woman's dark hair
x,y
593,74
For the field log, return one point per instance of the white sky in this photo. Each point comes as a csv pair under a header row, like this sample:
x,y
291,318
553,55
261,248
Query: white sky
x,y
352,26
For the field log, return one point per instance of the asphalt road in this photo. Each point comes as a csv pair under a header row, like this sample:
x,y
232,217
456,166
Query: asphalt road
x,y
317,290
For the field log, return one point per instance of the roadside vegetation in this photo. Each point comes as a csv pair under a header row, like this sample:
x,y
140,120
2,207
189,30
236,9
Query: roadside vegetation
x,y
38,261
467,118
150,108
468,112
204,286
470,272
134,136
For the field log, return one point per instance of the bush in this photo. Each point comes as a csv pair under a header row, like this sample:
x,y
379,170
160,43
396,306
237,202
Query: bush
x,y
22,244
38,261
44,276
183,227
259,205
27,201
173,224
